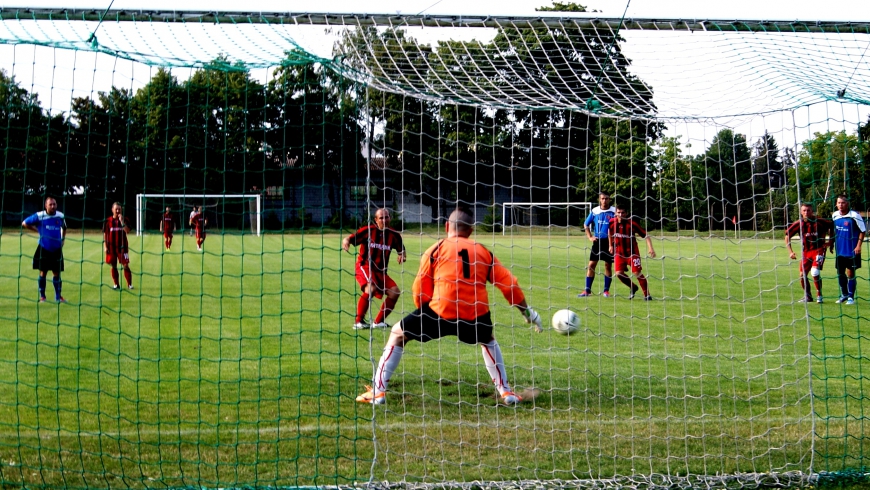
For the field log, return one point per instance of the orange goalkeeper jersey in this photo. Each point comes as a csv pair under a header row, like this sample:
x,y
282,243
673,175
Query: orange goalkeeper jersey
x,y
453,275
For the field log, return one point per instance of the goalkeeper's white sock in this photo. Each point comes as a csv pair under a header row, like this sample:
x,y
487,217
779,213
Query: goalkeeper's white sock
x,y
388,363
494,363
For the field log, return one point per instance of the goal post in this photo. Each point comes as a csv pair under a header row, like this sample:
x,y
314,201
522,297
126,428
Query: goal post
x,y
249,214
544,214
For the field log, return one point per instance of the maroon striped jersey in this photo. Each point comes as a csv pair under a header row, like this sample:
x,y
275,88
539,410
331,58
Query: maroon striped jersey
x,y
812,232
114,235
168,223
375,246
622,237
198,221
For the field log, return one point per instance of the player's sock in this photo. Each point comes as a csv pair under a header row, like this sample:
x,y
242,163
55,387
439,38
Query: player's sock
x,y
115,277
844,286
607,281
128,276
40,284
494,363
362,307
644,284
625,280
589,281
386,309
55,281
388,363
805,285
852,284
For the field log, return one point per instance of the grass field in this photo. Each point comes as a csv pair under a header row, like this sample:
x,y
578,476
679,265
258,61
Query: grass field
x,y
238,366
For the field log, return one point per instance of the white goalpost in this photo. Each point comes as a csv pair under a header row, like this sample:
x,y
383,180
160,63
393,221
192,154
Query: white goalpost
x,y
544,214
255,208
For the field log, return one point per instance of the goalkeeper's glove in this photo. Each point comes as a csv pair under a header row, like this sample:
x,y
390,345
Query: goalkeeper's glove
x,y
534,318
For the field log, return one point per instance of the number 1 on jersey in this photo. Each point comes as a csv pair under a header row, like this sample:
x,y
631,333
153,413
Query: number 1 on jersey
x,y
466,263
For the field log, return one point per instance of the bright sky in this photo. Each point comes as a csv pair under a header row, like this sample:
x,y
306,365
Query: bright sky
x,y
72,73
845,10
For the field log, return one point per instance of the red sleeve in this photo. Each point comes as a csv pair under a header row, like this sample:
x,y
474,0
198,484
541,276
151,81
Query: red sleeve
x,y
398,243
792,229
359,236
105,229
638,229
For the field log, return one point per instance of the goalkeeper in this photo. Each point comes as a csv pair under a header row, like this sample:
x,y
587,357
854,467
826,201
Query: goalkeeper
x,y
451,297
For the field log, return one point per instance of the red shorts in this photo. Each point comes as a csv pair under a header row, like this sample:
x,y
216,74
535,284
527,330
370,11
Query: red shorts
x,y
200,234
167,234
114,258
812,258
380,281
622,263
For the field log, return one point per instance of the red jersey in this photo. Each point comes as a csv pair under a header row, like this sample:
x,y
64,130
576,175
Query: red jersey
x,y
375,246
622,237
198,221
114,235
812,232
168,223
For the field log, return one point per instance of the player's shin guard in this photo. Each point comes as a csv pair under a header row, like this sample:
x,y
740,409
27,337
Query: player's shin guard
x,y
494,363
362,307
644,284
40,284
386,309
56,282
128,276
386,366
115,277
844,284
852,285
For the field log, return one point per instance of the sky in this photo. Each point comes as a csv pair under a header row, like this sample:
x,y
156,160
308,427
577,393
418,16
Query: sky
x,y
68,73
851,10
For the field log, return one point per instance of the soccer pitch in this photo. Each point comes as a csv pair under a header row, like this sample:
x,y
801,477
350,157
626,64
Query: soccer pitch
x,y
238,366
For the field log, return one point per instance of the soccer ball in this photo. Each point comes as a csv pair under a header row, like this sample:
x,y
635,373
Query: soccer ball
x,y
565,322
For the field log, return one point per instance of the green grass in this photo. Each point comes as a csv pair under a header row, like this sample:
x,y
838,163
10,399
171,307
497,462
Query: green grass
x,y
238,366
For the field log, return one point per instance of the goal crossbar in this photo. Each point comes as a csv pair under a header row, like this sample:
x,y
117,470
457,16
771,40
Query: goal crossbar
x,y
140,205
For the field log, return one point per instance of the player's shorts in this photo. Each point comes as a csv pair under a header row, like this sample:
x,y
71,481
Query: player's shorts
x,y
114,258
601,251
46,260
623,263
812,258
424,325
167,234
380,281
844,263
200,234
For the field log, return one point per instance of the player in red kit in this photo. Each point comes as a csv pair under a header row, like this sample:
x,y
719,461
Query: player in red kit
x,y
375,242
812,231
168,227
115,230
198,221
623,245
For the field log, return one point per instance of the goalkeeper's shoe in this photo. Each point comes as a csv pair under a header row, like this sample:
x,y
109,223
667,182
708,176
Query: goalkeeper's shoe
x,y
381,325
509,398
360,326
370,397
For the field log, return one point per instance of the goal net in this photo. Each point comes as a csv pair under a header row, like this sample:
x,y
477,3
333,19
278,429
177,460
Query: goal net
x,y
239,367
568,217
225,213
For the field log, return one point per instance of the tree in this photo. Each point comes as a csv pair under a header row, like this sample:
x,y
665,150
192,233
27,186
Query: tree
x,y
832,163
727,167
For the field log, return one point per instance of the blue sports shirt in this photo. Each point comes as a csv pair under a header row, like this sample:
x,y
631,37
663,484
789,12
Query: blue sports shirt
x,y
50,228
848,227
599,221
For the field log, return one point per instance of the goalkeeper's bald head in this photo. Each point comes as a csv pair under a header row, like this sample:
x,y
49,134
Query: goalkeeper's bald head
x,y
460,223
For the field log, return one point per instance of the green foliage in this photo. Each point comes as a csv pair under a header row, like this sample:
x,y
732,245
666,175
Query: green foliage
x,y
832,163
563,7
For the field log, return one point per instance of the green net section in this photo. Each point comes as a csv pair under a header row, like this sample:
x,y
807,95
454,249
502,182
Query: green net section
x,y
233,362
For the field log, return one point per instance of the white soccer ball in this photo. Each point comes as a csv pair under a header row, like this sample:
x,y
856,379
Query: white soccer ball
x,y
565,322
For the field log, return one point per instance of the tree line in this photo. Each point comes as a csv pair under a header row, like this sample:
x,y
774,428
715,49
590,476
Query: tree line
x,y
222,131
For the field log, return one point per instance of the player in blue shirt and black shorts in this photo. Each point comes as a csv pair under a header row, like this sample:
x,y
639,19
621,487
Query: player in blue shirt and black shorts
x,y
51,226
849,232
596,226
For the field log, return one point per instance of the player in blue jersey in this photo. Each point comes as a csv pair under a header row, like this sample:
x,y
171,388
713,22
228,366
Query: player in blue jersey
x,y
51,226
596,226
849,236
